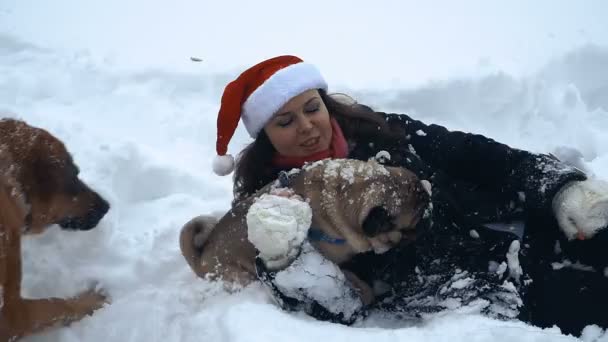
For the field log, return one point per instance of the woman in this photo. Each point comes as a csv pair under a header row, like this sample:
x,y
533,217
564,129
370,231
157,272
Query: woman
x,y
479,188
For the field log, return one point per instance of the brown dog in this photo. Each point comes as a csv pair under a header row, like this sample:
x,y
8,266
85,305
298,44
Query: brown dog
x,y
39,186
370,206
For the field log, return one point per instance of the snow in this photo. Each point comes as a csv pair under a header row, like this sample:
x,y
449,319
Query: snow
x,y
569,264
277,226
115,82
500,270
428,187
313,276
515,270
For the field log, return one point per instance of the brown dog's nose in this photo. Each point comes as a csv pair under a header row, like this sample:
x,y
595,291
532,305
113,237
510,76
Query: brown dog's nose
x,y
100,210
90,219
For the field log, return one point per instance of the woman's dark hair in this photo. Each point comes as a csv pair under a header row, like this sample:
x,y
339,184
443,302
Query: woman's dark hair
x,y
254,164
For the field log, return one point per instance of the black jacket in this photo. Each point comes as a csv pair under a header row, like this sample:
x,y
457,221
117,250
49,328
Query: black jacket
x,y
475,181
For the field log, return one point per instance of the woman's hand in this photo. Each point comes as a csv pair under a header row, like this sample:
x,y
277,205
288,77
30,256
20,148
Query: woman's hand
x,y
277,225
581,208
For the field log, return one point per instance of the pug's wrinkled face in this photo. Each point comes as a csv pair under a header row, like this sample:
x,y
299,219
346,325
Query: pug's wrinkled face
x,y
399,205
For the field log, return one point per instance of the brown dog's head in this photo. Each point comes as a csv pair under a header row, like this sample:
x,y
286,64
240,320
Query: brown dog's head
x,y
49,179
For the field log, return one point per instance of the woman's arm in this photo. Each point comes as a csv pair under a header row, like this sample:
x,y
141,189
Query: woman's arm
x,y
481,160
298,275
314,285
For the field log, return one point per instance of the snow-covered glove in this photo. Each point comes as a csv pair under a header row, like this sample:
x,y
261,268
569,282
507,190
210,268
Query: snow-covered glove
x,y
319,287
581,208
277,225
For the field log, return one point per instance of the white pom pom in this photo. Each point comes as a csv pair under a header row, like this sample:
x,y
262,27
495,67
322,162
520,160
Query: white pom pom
x,y
223,165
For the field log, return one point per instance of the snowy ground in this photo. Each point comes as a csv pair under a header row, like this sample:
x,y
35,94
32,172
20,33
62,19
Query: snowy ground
x,y
115,83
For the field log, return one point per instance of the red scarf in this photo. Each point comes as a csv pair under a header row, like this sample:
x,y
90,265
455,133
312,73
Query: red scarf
x,y
337,149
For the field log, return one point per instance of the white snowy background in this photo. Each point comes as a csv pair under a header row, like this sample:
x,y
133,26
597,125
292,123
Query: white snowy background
x,y
113,79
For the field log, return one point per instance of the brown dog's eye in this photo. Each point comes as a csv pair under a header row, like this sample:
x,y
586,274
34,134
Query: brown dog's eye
x,y
74,186
51,177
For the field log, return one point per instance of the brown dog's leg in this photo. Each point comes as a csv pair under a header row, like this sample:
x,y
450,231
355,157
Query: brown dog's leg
x,y
11,222
27,316
19,316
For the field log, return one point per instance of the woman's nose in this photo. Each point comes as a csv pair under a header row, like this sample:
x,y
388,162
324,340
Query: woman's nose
x,y
304,124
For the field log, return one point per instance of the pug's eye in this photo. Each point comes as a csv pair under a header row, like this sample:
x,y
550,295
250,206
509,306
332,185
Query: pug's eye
x,y
378,221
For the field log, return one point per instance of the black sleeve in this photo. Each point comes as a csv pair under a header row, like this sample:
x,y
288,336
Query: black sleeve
x,y
319,293
480,160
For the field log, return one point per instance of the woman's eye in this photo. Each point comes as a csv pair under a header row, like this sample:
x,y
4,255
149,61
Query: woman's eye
x,y
284,123
312,109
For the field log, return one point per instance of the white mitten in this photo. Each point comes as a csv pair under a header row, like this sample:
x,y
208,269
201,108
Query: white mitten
x,y
581,208
277,225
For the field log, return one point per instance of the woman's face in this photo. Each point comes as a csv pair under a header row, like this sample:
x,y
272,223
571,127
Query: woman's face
x,y
301,127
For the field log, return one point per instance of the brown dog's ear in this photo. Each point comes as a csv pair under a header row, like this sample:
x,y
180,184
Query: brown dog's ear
x,y
48,168
37,178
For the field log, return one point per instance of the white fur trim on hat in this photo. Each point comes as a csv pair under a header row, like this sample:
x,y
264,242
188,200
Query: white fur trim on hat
x,y
223,165
276,91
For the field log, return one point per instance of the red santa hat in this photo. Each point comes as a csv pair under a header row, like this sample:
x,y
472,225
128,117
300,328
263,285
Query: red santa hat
x,y
256,95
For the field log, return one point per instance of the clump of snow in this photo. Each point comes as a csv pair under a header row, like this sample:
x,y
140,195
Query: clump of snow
x,y
593,333
411,149
502,267
515,270
557,248
277,226
346,169
572,157
427,186
461,283
573,265
474,234
313,276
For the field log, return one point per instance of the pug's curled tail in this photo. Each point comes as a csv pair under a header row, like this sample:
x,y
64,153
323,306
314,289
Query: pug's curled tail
x,y
193,238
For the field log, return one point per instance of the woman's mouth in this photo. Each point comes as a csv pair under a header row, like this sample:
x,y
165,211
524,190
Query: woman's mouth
x,y
312,142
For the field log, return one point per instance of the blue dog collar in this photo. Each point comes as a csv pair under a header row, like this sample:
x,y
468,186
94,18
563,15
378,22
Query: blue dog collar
x,y
318,235
314,234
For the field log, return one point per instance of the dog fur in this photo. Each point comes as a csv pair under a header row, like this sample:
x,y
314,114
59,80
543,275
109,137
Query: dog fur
x,y
39,186
342,194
